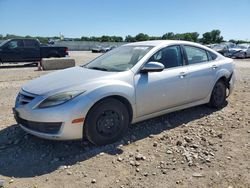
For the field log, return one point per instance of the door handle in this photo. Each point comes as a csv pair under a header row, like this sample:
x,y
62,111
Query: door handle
x,y
182,75
214,67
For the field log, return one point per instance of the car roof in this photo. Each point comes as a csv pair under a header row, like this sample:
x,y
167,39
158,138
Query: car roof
x,y
162,43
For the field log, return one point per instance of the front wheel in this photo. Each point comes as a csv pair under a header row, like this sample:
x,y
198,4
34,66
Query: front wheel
x,y
106,122
218,96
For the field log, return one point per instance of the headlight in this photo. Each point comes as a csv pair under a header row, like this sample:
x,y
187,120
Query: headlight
x,y
59,98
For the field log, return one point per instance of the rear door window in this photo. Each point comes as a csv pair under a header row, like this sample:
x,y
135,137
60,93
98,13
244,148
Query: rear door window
x,y
195,55
30,43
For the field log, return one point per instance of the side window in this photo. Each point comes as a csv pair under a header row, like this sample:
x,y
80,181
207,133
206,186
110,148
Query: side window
x,y
30,43
211,56
170,57
15,44
195,55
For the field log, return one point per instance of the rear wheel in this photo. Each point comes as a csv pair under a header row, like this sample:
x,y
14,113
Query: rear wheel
x,y
218,96
106,122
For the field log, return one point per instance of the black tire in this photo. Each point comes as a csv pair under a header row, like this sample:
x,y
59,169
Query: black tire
x,y
106,122
218,96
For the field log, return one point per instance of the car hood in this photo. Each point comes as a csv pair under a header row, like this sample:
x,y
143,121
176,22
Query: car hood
x,y
65,80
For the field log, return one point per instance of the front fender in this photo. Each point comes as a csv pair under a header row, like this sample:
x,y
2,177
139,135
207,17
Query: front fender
x,y
111,88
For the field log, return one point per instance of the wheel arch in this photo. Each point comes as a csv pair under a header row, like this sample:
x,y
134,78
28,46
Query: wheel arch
x,y
120,98
225,79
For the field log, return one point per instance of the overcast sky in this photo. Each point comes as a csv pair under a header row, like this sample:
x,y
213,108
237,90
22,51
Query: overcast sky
x,y
76,18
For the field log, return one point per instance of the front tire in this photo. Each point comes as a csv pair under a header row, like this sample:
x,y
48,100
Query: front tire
x,y
218,96
106,122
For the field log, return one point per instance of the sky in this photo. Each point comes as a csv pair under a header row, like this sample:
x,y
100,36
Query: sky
x,y
76,18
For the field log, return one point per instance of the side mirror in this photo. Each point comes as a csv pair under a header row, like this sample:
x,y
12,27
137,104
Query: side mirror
x,y
152,67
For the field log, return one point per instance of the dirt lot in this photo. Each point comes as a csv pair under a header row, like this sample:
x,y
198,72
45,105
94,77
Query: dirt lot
x,y
196,147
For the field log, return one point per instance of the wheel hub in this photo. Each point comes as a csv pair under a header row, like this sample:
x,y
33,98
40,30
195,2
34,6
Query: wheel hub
x,y
108,123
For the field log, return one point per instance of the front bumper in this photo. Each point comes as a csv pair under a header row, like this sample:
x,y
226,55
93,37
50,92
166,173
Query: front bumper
x,y
53,123
49,130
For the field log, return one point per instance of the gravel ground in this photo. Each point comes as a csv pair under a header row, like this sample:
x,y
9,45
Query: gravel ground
x,y
196,147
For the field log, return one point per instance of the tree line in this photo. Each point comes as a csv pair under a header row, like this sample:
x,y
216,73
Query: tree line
x,y
211,37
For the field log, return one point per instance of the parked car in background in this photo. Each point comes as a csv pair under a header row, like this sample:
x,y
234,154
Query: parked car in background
x,y
222,48
129,84
28,50
101,49
240,51
96,49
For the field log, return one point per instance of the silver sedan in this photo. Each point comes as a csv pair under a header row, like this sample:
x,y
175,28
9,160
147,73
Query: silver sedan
x,y
129,84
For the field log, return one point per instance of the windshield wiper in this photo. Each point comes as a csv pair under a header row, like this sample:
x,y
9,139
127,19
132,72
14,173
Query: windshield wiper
x,y
97,68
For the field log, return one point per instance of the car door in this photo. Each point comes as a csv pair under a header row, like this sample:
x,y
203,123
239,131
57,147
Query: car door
x,y
156,91
12,51
31,50
202,69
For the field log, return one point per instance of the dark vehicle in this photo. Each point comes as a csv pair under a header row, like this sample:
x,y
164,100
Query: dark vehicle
x,y
28,50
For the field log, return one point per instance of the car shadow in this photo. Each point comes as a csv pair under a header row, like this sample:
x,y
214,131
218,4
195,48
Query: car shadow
x,y
23,155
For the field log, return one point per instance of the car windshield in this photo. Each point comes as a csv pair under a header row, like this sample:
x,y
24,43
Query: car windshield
x,y
119,59
4,42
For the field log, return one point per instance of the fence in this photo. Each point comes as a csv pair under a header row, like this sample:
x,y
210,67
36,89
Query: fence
x,y
86,45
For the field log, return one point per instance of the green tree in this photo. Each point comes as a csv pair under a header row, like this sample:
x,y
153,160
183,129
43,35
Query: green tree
x,y
98,39
168,36
212,37
194,36
105,38
116,39
83,38
141,37
129,38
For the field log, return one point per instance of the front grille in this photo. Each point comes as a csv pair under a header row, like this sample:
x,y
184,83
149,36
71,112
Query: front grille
x,y
43,127
25,98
